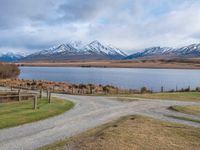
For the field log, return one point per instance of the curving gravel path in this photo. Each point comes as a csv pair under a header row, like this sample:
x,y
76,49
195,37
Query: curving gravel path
x,y
89,111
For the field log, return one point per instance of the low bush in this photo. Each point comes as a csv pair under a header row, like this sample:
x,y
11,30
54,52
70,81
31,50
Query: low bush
x,y
8,71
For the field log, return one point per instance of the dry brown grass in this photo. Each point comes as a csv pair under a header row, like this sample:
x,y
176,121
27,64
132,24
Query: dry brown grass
x,y
134,133
177,64
8,71
62,87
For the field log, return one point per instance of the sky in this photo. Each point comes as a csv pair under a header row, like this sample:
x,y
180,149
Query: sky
x,y
131,25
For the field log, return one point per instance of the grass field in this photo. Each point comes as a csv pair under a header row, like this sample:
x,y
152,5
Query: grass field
x,y
181,96
17,113
148,63
133,132
192,110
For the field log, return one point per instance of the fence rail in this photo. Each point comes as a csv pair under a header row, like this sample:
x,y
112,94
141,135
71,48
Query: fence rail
x,y
9,94
9,98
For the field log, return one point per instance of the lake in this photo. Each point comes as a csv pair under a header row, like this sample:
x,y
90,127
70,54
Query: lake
x,y
121,77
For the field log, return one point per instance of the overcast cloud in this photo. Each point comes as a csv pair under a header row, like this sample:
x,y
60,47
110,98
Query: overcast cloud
x,y
30,25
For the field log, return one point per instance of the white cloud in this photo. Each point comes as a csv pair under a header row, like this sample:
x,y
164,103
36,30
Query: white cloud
x,y
127,24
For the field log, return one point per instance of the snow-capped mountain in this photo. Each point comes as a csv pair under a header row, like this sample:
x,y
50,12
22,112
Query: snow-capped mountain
x,y
97,51
78,51
10,57
98,48
168,52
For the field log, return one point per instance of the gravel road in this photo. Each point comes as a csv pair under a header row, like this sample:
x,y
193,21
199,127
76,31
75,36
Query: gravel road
x,y
89,111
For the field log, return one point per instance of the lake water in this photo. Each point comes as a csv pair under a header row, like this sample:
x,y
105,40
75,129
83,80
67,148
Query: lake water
x,y
120,77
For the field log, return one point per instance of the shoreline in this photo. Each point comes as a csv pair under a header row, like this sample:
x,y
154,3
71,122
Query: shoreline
x,y
143,64
179,68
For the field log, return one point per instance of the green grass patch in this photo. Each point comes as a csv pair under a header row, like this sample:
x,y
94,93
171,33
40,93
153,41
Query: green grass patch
x,y
18,113
184,118
180,96
192,110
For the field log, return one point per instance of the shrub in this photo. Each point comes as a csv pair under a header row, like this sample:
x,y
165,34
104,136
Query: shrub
x,y
198,89
106,89
144,90
8,71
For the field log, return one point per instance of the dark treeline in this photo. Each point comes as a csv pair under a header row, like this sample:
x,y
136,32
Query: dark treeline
x,y
8,71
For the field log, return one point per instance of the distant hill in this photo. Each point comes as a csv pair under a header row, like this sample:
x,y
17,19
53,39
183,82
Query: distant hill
x,y
191,51
78,51
10,57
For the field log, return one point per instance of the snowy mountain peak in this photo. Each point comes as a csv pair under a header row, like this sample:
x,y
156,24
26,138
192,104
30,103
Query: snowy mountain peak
x,y
189,51
157,50
95,43
79,47
10,56
78,50
96,46
76,44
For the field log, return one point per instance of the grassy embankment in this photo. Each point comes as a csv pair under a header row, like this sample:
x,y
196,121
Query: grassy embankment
x,y
17,113
180,96
184,118
133,132
191,110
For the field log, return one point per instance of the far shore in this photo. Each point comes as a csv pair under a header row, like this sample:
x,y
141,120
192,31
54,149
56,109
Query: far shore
x,y
153,64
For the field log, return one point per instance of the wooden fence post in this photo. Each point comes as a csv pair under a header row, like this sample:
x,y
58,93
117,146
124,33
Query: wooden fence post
x,y
162,89
72,90
40,93
47,94
151,90
19,95
189,88
49,97
53,88
35,102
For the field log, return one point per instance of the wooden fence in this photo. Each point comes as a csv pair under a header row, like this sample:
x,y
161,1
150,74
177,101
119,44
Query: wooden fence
x,y
10,98
10,94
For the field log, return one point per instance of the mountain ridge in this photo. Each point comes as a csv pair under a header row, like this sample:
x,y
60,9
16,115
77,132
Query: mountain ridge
x,y
10,57
77,50
96,51
189,51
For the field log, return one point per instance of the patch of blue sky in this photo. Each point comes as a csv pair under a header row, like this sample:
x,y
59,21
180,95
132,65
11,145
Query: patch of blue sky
x,y
102,21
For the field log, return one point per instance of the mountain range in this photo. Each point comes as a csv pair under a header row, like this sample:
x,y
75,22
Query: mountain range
x,y
78,51
190,51
10,57
97,51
